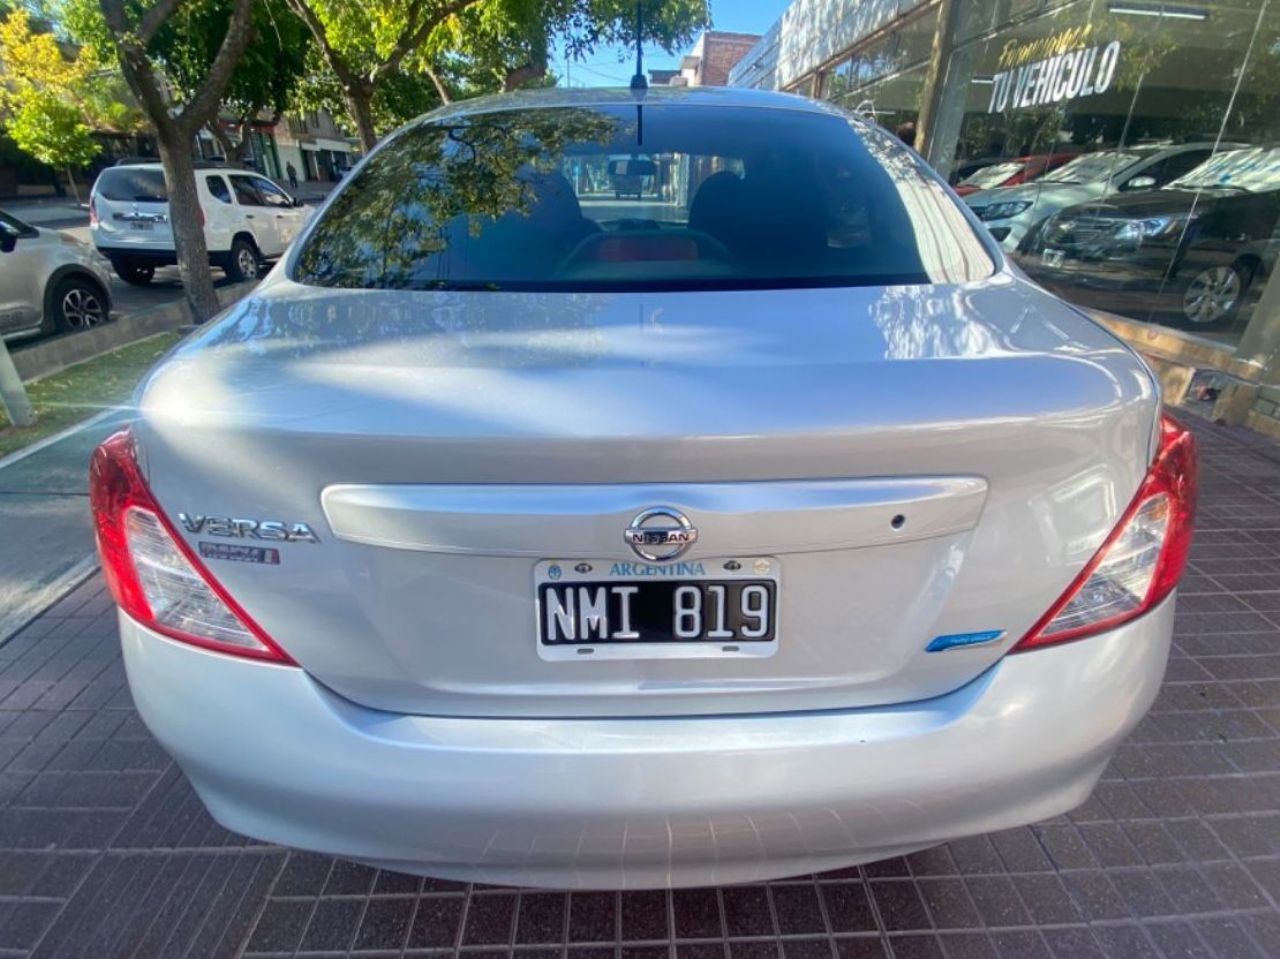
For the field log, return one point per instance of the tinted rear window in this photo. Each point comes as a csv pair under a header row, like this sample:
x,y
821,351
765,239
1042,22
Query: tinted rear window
x,y
132,185
661,196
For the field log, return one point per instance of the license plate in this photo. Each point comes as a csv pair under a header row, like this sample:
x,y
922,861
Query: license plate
x,y
140,224
635,610
1052,258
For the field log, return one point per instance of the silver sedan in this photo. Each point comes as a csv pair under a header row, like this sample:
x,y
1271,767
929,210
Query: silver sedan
x,y
762,523
49,281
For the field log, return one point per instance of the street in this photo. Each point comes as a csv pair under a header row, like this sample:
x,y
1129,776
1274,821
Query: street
x,y
105,851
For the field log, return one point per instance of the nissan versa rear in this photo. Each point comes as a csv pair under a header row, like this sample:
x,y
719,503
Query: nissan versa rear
x,y
757,519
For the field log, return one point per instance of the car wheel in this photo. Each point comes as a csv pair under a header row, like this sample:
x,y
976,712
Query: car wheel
x,y
78,304
1215,293
135,274
243,262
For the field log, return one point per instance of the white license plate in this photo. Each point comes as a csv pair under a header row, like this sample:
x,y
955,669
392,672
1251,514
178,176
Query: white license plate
x,y
707,608
141,225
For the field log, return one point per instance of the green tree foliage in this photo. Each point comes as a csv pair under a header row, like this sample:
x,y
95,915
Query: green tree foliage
x,y
54,132
184,46
264,80
466,47
398,98
53,95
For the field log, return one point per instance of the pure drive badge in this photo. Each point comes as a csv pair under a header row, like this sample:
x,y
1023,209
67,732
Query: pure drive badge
x,y
274,530
237,553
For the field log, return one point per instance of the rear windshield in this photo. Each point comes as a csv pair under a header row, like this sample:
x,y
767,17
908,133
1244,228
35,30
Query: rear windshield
x,y
132,185
991,176
1092,166
624,197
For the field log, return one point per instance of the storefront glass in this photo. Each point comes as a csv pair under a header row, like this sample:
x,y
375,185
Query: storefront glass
x,y
1149,137
885,77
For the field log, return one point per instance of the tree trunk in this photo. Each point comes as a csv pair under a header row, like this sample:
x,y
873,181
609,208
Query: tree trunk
x,y
523,74
246,131
188,228
360,104
224,141
75,189
441,90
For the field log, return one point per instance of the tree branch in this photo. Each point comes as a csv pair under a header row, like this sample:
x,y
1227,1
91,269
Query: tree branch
x,y
441,89
522,74
151,21
219,134
331,56
113,13
137,69
204,105
414,37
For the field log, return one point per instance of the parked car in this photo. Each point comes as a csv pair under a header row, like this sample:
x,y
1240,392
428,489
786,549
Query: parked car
x,y
248,219
502,537
1010,213
1012,172
48,281
1191,250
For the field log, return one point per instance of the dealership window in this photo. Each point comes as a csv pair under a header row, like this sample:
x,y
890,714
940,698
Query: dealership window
x,y
884,77
1140,141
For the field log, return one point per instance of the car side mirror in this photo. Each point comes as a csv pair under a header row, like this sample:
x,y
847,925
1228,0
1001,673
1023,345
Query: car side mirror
x,y
8,242
1140,183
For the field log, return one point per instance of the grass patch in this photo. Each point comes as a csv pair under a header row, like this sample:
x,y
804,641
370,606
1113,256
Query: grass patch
x,y
80,391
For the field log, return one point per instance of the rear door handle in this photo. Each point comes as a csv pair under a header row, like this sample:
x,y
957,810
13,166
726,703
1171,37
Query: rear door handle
x,y
248,216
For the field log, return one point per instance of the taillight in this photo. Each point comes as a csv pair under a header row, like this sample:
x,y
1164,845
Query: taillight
x,y
93,211
1143,558
152,573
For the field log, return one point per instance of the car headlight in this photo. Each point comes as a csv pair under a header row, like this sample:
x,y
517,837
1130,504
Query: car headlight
x,y
1139,230
1002,211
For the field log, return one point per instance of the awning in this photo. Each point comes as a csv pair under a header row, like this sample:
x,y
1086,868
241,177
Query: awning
x,y
321,143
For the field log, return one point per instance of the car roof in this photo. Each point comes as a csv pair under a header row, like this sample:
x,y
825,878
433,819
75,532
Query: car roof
x,y
202,166
553,97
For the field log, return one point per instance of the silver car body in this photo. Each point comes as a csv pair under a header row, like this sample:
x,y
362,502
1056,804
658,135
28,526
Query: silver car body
x,y
31,271
1053,193
908,462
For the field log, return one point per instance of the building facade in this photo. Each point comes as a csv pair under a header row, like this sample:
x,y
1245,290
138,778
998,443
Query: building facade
x,y
714,55
314,146
1125,152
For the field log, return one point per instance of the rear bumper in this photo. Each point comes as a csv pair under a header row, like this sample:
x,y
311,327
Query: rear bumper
x,y
139,254
152,257
615,803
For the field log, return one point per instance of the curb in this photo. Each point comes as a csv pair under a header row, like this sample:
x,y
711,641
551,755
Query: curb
x,y
14,620
20,454
56,354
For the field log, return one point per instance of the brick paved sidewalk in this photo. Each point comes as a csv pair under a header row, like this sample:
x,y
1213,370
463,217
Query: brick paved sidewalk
x,y
105,850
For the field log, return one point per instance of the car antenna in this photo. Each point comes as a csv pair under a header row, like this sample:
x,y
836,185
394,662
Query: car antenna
x,y
638,82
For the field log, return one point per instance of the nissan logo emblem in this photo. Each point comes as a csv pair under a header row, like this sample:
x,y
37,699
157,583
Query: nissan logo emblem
x,y
660,534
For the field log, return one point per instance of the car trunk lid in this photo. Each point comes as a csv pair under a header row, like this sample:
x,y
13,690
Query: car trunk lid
x,y
906,462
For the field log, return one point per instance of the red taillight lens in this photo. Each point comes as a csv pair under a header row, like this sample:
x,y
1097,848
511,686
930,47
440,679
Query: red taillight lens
x,y
93,211
152,573
1143,558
